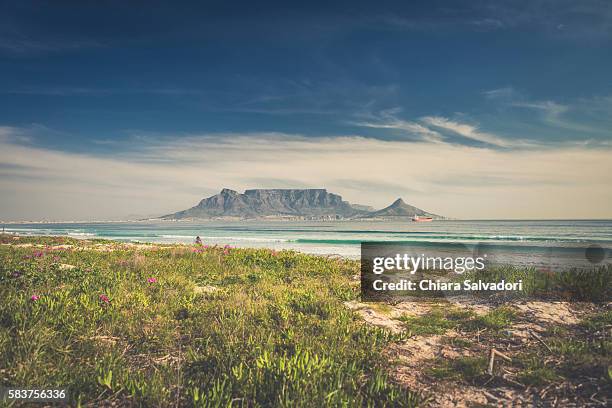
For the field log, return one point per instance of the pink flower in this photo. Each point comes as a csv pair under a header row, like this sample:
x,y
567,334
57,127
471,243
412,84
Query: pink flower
x,y
104,298
34,298
152,280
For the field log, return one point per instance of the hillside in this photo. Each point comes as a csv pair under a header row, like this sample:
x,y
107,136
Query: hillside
x,y
306,203
400,209
270,202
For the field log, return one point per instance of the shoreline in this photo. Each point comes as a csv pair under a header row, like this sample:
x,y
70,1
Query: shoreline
x,y
545,255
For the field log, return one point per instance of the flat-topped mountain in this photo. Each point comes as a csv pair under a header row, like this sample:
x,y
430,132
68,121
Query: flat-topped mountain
x,y
290,203
270,202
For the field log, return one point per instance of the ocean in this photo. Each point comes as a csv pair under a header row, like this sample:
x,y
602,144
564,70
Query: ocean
x,y
529,243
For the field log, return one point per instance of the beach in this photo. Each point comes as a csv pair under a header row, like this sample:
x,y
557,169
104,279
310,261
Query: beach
x,y
537,243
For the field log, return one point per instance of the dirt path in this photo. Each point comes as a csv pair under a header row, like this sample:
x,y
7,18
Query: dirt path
x,y
451,367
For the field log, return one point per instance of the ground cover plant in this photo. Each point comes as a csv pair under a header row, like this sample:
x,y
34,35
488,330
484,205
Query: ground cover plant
x,y
540,361
579,284
189,326
170,325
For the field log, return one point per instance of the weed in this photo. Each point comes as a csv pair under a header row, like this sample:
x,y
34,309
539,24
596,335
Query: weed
x,y
495,320
469,369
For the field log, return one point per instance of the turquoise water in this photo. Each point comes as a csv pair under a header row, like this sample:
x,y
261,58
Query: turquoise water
x,y
519,242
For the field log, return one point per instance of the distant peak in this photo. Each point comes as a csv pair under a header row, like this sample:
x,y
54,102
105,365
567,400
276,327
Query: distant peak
x,y
228,191
399,201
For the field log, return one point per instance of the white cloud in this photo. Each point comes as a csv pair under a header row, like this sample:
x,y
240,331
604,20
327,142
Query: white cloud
x,y
412,128
550,107
467,131
505,93
159,175
559,115
387,119
553,113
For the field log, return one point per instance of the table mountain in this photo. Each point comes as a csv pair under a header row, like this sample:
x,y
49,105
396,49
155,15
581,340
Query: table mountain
x,y
306,203
270,202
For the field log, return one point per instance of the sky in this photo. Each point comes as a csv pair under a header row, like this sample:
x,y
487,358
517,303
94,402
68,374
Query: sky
x,y
480,109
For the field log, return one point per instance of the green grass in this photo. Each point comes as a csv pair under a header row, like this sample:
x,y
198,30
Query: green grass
x,y
436,321
443,318
458,342
494,320
535,373
599,322
585,351
574,357
593,285
274,333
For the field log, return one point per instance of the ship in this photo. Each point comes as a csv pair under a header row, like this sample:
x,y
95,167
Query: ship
x,y
416,218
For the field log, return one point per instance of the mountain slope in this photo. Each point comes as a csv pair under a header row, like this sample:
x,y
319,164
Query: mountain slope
x,y
400,209
270,202
306,203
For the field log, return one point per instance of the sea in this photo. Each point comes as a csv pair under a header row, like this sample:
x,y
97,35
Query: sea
x,y
539,243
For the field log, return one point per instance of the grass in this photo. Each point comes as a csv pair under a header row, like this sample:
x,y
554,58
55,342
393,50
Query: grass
x,y
436,321
495,320
583,352
440,319
571,358
593,285
599,321
535,373
273,333
469,369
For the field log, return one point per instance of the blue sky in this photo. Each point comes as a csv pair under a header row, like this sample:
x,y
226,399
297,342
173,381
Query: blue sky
x,y
119,79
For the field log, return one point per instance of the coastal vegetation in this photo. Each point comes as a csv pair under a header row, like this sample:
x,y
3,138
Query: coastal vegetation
x,y
190,326
207,326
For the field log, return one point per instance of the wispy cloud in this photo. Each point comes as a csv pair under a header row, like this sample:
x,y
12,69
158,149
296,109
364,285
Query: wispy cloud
x,y
82,91
506,93
564,19
21,45
439,130
388,120
468,131
11,134
550,108
553,113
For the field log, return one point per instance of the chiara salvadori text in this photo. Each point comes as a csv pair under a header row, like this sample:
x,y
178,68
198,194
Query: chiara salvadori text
x,y
437,285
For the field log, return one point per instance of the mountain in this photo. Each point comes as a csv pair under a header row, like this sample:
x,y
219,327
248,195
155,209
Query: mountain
x,y
270,202
299,203
400,209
